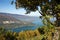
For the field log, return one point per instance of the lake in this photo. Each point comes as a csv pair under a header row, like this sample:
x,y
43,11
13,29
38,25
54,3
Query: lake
x,y
24,28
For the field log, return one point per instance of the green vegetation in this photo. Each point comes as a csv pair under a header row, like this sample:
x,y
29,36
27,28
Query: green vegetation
x,y
43,33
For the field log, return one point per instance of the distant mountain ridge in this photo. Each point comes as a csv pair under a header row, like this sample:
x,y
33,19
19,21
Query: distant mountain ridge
x,y
13,20
21,17
6,18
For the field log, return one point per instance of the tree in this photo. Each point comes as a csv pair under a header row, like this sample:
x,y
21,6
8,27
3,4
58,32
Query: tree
x,y
47,7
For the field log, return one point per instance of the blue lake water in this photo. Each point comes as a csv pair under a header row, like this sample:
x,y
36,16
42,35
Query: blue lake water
x,y
24,28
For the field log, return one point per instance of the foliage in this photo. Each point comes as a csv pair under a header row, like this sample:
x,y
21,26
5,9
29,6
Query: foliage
x,y
37,34
32,5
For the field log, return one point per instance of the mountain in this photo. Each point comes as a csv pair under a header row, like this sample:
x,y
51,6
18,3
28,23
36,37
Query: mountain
x,y
12,20
21,17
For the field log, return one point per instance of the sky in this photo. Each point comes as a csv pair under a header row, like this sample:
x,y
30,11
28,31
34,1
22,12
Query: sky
x,y
6,7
